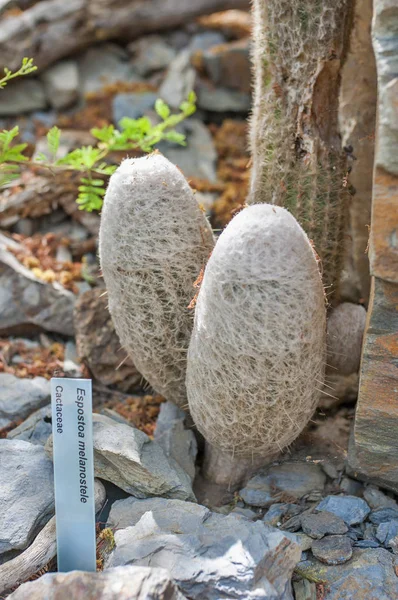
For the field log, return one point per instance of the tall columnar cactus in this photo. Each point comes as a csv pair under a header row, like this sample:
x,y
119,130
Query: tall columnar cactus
x,y
154,241
257,354
346,325
298,163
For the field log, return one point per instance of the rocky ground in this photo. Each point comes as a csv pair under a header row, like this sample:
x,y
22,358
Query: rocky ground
x,y
162,532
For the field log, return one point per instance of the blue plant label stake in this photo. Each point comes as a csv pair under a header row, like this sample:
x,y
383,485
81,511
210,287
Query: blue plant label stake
x,y
72,427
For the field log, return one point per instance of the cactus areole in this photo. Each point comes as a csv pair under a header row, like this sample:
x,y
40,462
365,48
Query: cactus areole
x,y
257,354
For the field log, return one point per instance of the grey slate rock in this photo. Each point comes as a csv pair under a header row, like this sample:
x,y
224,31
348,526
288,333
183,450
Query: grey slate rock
x,y
366,544
277,512
199,157
29,304
221,99
132,105
211,556
296,479
128,458
20,397
305,590
377,499
26,493
387,534
177,441
351,487
151,53
121,583
103,65
246,513
351,509
61,83
369,575
168,512
333,549
22,96
179,81
206,40
322,523
382,515
35,429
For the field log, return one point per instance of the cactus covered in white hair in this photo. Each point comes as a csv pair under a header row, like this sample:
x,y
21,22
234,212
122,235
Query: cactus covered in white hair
x,y
256,358
154,241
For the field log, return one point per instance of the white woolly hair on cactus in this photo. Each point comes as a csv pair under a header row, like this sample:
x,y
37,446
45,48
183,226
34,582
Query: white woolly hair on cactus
x,y
345,329
257,354
154,240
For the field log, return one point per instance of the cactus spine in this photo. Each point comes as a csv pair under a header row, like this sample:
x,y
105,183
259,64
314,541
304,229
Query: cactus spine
x,y
298,163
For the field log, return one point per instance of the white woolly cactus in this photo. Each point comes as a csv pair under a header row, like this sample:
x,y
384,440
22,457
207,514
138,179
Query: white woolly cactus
x,y
346,326
257,353
154,241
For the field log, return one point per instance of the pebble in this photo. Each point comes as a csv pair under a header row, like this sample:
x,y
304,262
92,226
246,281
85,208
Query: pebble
x,y
61,83
333,549
387,534
277,512
366,544
132,105
322,523
351,509
22,96
151,53
35,429
20,397
377,499
351,487
382,515
304,590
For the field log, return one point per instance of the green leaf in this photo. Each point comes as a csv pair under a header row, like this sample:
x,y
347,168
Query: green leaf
x,y
7,135
105,134
162,109
53,139
175,137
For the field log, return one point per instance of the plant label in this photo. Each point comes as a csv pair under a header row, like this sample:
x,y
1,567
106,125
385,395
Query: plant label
x,y
72,426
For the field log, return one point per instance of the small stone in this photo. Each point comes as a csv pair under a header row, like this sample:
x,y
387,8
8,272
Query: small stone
x,y
35,429
378,499
206,40
20,397
132,105
26,493
246,513
121,583
351,509
304,590
22,96
221,99
322,523
103,65
333,549
177,441
199,157
351,487
151,53
369,532
179,80
61,83
382,515
257,492
277,512
304,541
227,65
387,534
366,544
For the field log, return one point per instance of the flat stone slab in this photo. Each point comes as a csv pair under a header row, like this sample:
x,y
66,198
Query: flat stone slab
x,y
121,583
20,397
26,493
128,458
316,525
382,515
35,429
369,575
351,509
333,549
295,479
210,556
387,534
